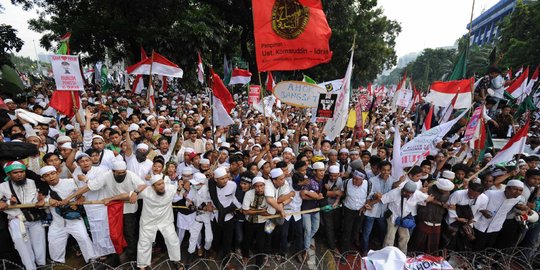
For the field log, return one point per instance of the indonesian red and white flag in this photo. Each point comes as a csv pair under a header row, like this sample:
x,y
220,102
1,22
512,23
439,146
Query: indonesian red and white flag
x,y
164,83
514,146
138,85
442,93
159,65
151,97
223,102
517,88
270,83
240,76
532,81
447,113
200,70
427,120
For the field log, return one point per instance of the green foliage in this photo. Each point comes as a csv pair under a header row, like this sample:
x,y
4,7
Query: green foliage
x,y
431,65
25,64
9,43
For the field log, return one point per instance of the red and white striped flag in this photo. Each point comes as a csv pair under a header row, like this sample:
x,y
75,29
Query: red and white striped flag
x,y
532,81
449,110
270,83
223,102
427,120
138,85
441,93
240,76
200,70
514,146
517,88
159,66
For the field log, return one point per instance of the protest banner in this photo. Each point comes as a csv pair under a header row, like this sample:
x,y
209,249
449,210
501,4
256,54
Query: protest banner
x,y
472,125
404,97
67,74
299,94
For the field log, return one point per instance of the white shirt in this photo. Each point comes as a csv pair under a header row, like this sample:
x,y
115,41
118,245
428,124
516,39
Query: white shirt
x,y
383,187
393,199
499,206
26,194
295,205
157,211
93,173
271,191
64,188
198,197
460,197
112,188
225,196
356,195
249,201
140,169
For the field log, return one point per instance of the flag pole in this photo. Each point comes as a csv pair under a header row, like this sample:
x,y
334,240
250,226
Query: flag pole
x,y
263,105
211,97
150,82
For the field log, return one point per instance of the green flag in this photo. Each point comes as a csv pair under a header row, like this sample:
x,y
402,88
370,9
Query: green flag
x,y
460,69
487,146
526,105
308,79
105,85
63,46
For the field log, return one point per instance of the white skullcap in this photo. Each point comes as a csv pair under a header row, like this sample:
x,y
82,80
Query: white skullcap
x,y
220,172
188,150
46,169
304,138
142,122
276,159
261,163
97,137
359,174
119,165
288,150
198,178
62,139
256,145
161,117
225,144
448,175
143,146
187,171
275,173
488,155
318,166
155,178
257,179
100,128
333,169
167,130
133,127
69,127
444,184
515,183
66,145
204,161
410,186
277,144
344,150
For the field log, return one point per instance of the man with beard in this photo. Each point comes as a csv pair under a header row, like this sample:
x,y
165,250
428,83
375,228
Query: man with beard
x,y
137,160
67,220
429,217
157,215
96,213
114,183
106,156
24,224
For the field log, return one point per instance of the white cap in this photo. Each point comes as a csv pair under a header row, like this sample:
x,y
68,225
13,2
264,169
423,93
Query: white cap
x,y
198,178
97,137
288,150
304,138
333,169
150,118
276,159
261,163
515,183
444,184
188,150
225,144
62,139
359,174
257,179
100,127
69,127
143,146
133,127
318,166
8,100
155,178
46,169
275,173
119,165
277,144
204,161
142,122
255,145
187,171
66,145
220,172
448,175
344,150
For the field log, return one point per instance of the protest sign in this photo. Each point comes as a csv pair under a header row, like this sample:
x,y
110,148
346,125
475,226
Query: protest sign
x,y
404,97
327,104
254,94
67,74
299,94
472,125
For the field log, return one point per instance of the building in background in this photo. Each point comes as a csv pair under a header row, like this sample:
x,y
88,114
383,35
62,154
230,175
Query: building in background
x,y
485,28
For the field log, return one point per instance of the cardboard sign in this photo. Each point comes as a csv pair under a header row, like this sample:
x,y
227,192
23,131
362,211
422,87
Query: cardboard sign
x,y
363,100
472,125
254,94
299,94
327,105
67,74
404,97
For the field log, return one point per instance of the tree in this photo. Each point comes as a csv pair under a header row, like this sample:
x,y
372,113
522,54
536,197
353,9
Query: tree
x,y
431,65
9,43
520,35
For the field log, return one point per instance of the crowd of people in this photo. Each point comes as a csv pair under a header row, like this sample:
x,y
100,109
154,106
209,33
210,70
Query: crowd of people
x,y
266,185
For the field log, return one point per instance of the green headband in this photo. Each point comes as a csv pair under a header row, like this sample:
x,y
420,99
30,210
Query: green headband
x,y
14,166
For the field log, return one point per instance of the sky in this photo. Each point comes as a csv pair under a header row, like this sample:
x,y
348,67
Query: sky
x,y
424,23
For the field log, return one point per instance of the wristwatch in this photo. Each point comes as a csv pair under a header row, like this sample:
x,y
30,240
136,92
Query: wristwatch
x,y
137,191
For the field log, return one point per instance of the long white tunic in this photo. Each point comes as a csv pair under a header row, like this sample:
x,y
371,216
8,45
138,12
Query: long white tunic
x,y
499,206
111,188
460,197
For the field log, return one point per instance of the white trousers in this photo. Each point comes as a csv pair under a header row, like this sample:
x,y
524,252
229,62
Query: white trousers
x,y
194,235
60,230
147,235
99,228
32,249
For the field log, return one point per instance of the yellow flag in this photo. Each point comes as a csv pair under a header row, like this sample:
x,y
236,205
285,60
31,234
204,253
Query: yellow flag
x,y
351,120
